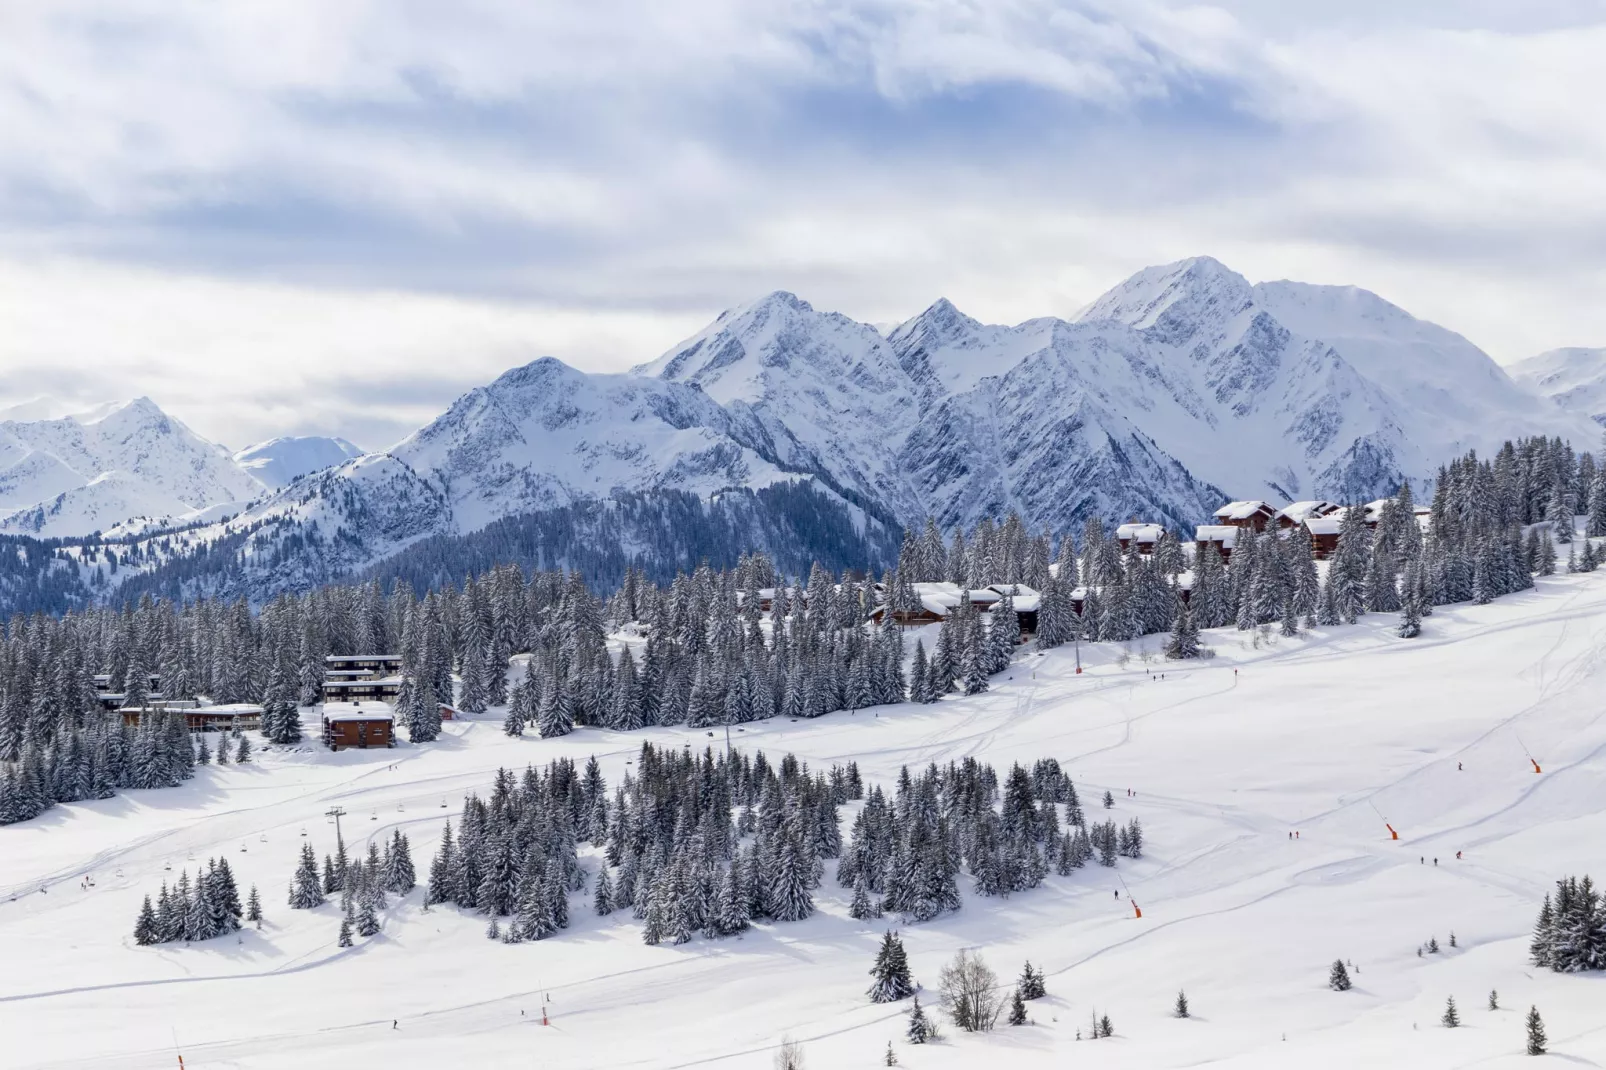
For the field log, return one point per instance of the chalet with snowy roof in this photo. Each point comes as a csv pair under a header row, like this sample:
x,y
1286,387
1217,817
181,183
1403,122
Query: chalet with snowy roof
x,y
1145,535
1221,536
1255,515
1292,515
132,715
359,724
938,600
226,717
449,713
1324,533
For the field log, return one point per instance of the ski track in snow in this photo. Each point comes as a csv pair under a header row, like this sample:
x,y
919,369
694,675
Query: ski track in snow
x,y
1218,867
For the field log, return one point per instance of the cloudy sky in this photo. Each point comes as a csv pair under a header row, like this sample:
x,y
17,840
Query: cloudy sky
x,y
278,218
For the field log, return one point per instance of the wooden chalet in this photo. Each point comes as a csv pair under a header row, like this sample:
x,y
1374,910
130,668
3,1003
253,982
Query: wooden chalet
x,y
938,600
449,713
228,717
1145,535
359,724
1295,514
1255,515
1222,536
1324,534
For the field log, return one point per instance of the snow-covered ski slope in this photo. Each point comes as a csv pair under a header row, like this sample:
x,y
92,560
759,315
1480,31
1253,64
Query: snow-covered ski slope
x,y
1329,735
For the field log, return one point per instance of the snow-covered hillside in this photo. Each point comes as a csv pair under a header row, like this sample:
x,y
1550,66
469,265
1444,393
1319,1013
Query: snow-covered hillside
x,y
1329,735
93,471
1574,378
279,461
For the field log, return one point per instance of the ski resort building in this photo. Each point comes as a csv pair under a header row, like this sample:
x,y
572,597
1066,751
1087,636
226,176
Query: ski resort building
x,y
362,677
1145,535
200,716
1295,514
938,600
360,724
1324,534
1254,514
1222,536
226,717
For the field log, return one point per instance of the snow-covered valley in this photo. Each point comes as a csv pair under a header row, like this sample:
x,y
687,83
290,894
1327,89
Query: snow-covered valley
x,y
1327,735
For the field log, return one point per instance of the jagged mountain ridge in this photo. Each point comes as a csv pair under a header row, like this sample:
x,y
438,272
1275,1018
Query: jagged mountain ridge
x,y
1180,387
94,471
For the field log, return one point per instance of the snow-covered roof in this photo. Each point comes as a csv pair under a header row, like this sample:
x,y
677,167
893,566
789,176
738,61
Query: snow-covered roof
x,y
1141,532
1224,534
1241,510
359,711
942,599
331,659
232,709
1326,525
1299,512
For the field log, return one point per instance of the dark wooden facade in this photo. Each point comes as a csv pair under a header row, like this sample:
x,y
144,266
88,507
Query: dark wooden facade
x,y
358,732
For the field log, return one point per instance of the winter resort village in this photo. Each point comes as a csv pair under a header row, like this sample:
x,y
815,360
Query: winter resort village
x,y
1307,784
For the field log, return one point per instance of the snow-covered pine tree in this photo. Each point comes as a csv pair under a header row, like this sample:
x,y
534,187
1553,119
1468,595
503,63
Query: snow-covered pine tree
x,y
1338,977
1184,642
305,889
891,971
1537,1040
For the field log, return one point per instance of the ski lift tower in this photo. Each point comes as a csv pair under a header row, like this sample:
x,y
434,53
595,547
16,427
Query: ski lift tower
x,y
337,813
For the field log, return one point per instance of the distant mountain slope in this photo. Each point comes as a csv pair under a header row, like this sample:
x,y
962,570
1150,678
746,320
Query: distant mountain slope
x,y
279,461
1573,378
93,471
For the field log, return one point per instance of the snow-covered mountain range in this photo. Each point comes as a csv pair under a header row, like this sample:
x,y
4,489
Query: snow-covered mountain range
x,y
119,463
1181,387
1574,378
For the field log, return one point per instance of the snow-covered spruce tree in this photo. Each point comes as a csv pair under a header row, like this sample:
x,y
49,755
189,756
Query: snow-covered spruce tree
x,y
145,931
1031,984
1451,1018
1338,977
919,1030
1537,1041
1180,1008
891,971
305,889
1017,1009
1184,643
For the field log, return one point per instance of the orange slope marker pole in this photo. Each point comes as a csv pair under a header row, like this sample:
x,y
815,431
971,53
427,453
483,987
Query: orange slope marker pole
x,y
1536,764
1393,835
1137,911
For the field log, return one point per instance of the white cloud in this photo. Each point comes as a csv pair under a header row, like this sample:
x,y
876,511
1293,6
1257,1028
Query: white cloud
x,y
245,210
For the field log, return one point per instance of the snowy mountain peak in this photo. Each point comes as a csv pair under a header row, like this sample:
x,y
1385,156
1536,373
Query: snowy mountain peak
x,y
279,461
95,470
1171,302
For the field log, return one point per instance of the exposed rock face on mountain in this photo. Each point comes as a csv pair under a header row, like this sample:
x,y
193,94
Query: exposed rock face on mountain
x,y
96,470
